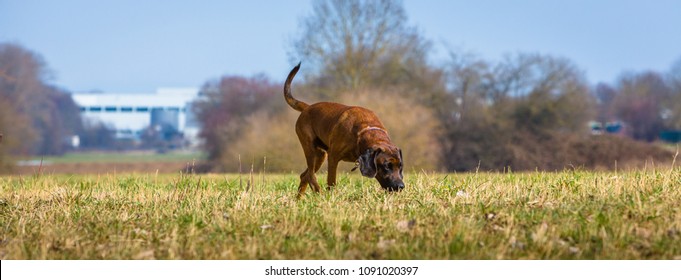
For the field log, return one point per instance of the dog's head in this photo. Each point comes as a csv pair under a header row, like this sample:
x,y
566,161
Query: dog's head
x,y
385,164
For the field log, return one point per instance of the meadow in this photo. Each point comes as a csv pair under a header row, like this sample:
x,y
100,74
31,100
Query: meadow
x,y
573,214
109,162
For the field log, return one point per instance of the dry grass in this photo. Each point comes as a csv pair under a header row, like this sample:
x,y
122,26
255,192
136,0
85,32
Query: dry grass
x,y
566,215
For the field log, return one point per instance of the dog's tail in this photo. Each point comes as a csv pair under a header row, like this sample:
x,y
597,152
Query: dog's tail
x,y
294,103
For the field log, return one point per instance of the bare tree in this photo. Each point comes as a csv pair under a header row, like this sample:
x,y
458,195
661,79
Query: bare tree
x,y
224,106
672,112
465,79
20,74
501,112
605,96
34,116
348,41
640,103
545,93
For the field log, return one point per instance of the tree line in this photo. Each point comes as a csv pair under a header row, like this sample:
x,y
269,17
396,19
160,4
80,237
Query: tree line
x,y
525,111
37,117
34,115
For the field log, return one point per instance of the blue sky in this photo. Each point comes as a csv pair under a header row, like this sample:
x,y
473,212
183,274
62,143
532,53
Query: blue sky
x,y
137,46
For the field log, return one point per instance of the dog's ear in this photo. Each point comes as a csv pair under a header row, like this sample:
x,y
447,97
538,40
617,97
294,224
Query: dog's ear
x,y
401,162
367,163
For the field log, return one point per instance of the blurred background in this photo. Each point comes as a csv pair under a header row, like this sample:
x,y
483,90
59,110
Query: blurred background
x,y
164,86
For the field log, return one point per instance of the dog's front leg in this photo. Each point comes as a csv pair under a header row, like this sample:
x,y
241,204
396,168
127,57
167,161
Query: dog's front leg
x,y
333,166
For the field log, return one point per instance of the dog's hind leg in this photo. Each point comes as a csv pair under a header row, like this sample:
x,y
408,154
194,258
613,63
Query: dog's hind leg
x,y
303,183
319,157
318,164
315,158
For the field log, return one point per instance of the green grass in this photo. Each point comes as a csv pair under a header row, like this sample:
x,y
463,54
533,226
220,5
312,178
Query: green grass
x,y
566,215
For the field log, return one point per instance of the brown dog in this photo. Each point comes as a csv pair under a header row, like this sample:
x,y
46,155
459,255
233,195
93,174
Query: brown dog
x,y
347,133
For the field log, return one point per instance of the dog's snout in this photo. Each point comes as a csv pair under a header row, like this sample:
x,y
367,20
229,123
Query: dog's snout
x,y
396,187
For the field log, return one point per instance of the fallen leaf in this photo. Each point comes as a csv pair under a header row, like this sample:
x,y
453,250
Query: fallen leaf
x,y
404,225
352,254
534,203
264,227
516,244
145,255
385,244
141,232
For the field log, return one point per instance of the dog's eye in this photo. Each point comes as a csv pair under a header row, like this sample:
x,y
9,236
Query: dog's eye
x,y
388,166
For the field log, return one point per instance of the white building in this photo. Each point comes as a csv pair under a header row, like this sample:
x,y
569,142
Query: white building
x,y
130,113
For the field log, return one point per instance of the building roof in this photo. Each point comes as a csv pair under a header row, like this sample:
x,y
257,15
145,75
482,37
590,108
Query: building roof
x,y
163,97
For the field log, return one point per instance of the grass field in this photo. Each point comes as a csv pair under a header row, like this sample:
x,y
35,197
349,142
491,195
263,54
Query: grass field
x,y
565,215
109,162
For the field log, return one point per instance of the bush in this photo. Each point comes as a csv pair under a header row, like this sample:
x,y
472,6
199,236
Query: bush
x,y
267,142
558,151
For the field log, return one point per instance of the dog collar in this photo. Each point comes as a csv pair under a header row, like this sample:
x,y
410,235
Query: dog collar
x,y
370,128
